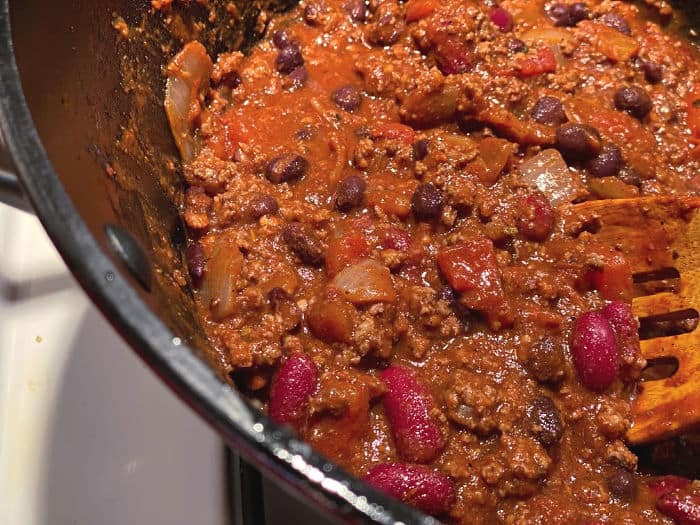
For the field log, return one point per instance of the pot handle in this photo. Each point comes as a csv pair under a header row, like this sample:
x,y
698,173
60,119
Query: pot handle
x,y
10,189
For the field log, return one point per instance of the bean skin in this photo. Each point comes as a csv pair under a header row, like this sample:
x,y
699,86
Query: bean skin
x,y
350,193
578,141
608,162
304,243
196,262
281,39
546,421
684,509
420,149
622,485
347,98
653,72
291,389
422,487
594,351
409,406
634,100
427,202
549,110
289,58
661,485
356,9
616,22
286,168
263,205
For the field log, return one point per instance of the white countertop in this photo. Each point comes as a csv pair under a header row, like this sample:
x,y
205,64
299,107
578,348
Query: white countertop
x,y
88,435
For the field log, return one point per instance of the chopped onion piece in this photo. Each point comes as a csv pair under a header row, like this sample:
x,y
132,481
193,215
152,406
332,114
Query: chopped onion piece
x,y
548,172
188,76
365,282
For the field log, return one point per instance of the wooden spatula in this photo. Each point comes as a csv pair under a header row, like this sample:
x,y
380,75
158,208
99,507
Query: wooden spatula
x,y
659,236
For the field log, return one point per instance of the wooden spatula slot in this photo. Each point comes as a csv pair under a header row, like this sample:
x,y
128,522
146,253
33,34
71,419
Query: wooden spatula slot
x,y
663,274
669,324
659,368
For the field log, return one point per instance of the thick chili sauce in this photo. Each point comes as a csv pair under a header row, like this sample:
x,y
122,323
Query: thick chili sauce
x,y
374,202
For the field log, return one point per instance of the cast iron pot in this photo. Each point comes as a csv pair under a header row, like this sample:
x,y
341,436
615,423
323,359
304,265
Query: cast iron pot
x,y
91,149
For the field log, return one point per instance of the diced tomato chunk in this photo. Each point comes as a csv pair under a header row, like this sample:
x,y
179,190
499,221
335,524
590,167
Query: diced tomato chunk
x,y
471,270
394,131
419,9
544,62
614,280
345,251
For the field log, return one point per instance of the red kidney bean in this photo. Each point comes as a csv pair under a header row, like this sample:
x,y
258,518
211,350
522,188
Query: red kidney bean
x,y
662,485
594,350
408,405
684,509
622,320
291,389
422,487
262,205
536,219
356,9
546,421
501,19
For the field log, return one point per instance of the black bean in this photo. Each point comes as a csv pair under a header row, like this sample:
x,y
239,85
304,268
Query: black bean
x,y
420,149
515,45
653,72
608,162
289,58
549,110
634,100
427,201
277,295
578,12
578,141
622,485
463,314
263,205
545,421
305,133
616,22
350,193
281,39
297,78
561,15
313,12
347,98
231,79
286,168
388,25
304,243
545,361
357,9
196,262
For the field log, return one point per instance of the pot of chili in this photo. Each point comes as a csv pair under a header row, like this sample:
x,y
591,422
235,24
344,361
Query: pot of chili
x,y
81,107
